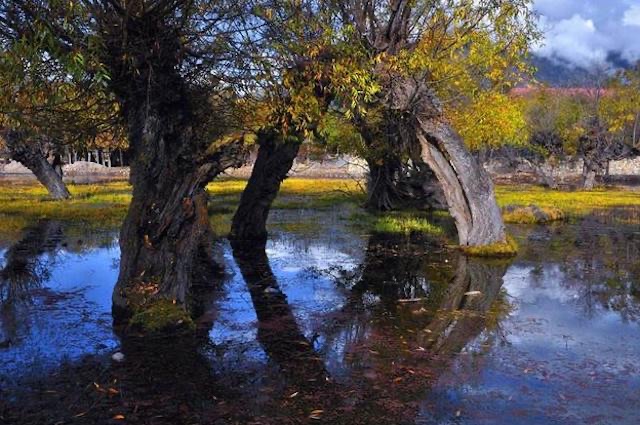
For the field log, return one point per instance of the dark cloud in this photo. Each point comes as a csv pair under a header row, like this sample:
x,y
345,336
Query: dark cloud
x,y
589,32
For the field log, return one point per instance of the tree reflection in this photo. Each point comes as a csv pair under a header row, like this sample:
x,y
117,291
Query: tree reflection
x,y
278,331
24,269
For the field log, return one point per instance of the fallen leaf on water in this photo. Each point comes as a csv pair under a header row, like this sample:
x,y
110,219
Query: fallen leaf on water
x,y
316,414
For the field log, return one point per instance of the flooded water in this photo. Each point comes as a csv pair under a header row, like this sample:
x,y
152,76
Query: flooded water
x,y
331,325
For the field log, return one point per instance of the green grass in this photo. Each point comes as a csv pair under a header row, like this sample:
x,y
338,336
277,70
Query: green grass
x,y
105,205
405,225
509,248
532,214
161,316
575,203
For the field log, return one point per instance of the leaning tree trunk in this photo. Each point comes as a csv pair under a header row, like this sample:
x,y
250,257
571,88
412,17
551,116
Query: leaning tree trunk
x,y
275,158
30,154
467,186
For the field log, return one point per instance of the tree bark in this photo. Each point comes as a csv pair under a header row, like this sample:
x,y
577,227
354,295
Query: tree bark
x,y
275,158
467,186
30,153
588,179
166,234
381,185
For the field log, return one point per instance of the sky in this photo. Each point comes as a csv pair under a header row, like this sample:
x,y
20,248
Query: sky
x,y
585,33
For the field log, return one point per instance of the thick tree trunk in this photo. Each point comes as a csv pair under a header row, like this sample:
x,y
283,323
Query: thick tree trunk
x,y
381,185
166,239
467,186
166,236
275,158
30,153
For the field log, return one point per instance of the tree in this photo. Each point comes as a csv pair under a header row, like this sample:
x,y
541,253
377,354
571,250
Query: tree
x,y
47,99
170,65
419,54
295,95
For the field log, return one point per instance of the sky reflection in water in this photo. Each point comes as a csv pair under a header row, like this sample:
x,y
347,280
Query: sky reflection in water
x,y
564,346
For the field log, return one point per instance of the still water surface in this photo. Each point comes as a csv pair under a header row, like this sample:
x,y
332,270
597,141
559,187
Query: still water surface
x,y
336,325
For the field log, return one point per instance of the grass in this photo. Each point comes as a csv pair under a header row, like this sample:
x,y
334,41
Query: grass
x,y
509,248
405,225
105,205
99,205
532,214
575,203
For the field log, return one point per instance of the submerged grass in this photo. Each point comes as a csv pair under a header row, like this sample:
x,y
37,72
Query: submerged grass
x,y
405,225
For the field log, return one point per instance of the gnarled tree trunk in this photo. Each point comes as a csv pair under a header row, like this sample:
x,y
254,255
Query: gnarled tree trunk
x,y
29,152
275,158
166,234
382,194
466,185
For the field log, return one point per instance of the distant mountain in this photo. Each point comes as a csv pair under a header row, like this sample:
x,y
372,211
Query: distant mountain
x,y
560,73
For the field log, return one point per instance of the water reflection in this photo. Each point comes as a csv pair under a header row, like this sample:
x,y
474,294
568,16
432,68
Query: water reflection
x,y
407,331
55,287
24,269
278,331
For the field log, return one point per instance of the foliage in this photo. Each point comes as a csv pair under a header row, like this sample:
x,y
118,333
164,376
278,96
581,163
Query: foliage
x,y
490,120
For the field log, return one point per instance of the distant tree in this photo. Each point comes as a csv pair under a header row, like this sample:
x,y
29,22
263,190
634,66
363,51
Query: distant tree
x,y
42,107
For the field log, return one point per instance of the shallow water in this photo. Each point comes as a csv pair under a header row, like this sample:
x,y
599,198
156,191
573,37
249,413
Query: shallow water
x,y
337,326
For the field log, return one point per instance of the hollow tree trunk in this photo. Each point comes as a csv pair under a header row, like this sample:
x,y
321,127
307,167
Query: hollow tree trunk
x,y
467,186
275,158
29,153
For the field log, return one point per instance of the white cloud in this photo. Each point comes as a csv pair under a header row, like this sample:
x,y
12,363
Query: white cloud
x,y
587,32
631,16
